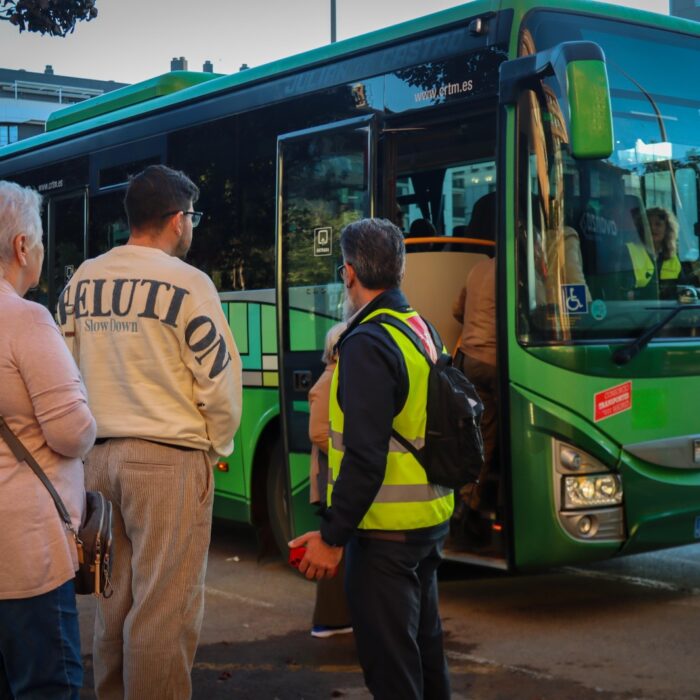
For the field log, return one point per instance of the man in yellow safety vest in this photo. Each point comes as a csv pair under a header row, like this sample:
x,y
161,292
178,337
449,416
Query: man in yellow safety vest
x,y
382,511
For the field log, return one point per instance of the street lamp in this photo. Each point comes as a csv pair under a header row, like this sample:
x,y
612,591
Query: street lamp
x,y
333,22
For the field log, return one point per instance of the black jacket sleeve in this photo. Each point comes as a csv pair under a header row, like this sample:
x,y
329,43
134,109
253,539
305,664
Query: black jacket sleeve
x,y
372,389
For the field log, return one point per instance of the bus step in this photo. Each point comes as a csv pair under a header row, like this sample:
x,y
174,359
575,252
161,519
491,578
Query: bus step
x,y
489,560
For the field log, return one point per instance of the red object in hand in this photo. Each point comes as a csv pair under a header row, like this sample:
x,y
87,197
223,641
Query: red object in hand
x,y
296,554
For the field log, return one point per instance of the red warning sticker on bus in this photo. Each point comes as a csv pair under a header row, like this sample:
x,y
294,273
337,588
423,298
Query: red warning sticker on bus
x,y
612,401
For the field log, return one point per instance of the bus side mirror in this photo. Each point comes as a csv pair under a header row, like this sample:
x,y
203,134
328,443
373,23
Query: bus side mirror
x,y
579,68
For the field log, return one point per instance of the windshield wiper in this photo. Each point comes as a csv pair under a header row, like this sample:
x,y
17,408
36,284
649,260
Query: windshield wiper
x,y
623,355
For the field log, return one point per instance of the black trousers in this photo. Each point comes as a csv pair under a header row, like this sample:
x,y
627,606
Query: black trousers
x,y
393,598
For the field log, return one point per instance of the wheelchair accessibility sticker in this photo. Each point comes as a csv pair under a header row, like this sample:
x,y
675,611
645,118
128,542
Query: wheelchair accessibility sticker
x,y
574,298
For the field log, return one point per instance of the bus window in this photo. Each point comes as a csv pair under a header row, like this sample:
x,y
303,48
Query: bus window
x,y
660,190
461,187
444,185
66,239
108,224
442,170
235,242
606,246
118,175
324,187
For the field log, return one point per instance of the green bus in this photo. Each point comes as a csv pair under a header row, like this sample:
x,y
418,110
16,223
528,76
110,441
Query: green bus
x,y
549,133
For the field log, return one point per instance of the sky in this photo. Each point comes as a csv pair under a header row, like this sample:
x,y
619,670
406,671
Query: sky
x,y
133,40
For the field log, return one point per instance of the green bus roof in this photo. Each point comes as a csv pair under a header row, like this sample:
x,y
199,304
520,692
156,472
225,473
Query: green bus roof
x,y
125,97
110,112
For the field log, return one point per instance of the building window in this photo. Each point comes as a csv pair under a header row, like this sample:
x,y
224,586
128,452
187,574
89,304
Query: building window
x,y
8,134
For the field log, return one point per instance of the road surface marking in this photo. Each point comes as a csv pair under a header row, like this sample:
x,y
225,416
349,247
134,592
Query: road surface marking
x,y
481,661
632,580
239,598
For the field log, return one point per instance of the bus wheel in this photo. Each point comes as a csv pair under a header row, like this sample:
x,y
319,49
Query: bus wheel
x,y
278,499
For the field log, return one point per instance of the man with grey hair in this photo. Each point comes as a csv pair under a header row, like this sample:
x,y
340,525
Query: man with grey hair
x,y
382,511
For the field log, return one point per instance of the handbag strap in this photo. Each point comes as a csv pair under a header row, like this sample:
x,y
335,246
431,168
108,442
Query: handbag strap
x,y
23,454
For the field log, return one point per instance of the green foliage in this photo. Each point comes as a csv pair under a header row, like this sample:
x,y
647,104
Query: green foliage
x,y
52,17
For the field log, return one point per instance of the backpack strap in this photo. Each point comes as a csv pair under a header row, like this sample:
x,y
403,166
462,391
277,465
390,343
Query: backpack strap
x,y
394,322
404,328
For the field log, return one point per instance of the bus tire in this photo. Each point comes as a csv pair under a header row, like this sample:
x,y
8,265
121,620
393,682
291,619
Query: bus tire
x,y
278,499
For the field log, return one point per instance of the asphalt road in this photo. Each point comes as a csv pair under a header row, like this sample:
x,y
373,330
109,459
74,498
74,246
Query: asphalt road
x,y
623,630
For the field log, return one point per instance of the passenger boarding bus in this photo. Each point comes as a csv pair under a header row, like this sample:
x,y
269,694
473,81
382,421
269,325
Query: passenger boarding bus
x,y
546,133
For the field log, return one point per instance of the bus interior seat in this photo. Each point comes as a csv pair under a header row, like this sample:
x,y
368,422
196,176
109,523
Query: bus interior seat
x,y
432,282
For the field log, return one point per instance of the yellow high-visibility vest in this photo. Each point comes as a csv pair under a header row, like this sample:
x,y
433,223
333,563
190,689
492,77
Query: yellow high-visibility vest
x,y
406,499
670,269
642,264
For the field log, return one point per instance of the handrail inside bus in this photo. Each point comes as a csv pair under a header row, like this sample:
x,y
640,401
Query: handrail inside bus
x,y
449,239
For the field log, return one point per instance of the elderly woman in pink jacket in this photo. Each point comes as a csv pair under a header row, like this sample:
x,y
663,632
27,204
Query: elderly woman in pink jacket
x,y
43,402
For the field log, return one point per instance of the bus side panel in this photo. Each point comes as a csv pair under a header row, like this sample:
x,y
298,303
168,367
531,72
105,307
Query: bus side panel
x,y
539,539
304,514
233,487
253,328
647,486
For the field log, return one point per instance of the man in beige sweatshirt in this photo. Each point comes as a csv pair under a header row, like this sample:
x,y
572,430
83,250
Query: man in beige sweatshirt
x,y
163,377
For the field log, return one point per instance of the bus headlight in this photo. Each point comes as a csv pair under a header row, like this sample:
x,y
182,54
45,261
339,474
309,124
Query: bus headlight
x,y
573,460
588,494
592,490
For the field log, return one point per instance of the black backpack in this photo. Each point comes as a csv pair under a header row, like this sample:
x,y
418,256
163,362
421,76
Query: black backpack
x,y
453,453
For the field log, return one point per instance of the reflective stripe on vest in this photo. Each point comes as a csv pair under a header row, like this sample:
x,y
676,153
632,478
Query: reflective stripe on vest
x,y
642,264
670,269
406,500
394,445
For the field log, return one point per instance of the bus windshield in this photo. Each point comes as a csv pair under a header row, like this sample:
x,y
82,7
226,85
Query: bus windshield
x,y
606,248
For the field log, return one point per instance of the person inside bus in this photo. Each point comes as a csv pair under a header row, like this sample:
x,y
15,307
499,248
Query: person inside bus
x,y
653,254
664,234
421,228
44,403
482,222
331,614
475,308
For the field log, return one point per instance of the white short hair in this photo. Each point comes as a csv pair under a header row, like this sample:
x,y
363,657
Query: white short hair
x,y
329,353
20,212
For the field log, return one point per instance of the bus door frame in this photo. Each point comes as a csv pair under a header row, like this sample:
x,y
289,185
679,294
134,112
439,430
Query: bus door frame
x,y
53,294
295,376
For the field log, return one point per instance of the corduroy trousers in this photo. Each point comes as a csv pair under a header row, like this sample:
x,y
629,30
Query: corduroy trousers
x,y
146,633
